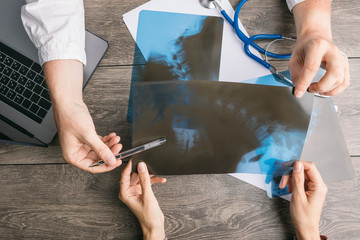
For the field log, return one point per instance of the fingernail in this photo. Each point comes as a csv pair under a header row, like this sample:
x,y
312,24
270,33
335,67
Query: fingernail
x,y
299,93
142,167
111,160
281,182
297,167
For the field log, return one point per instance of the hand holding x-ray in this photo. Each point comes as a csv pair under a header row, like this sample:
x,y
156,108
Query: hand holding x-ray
x,y
308,196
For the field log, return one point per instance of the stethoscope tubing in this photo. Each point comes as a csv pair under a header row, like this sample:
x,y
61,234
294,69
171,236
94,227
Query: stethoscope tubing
x,y
250,41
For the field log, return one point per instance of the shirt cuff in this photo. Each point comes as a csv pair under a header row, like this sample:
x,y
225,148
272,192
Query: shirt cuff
x,y
291,3
54,50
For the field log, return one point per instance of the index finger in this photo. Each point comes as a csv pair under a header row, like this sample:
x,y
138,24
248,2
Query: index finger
x,y
312,172
312,64
125,178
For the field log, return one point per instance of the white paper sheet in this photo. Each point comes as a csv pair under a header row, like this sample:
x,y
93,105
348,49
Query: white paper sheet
x,y
235,65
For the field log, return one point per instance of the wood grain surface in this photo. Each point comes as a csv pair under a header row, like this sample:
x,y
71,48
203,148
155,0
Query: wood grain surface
x,y
63,202
41,197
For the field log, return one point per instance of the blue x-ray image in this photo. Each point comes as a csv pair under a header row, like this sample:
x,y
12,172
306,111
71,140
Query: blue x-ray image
x,y
179,46
176,46
219,127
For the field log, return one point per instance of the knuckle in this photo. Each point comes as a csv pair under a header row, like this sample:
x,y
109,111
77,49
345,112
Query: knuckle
x,y
320,88
67,157
146,181
291,63
338,72
323,189
318,43
332,93
311,67
339,82
312,164
298,180
300,161
100,150
122,196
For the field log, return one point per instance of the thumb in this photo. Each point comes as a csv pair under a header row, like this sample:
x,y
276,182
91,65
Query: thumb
x,y
144,178
298,181
100,148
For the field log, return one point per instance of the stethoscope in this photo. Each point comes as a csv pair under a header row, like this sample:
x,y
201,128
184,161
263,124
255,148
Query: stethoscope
x,y
249,41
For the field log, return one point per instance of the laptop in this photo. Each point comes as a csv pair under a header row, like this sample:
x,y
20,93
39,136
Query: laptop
x,y
26,115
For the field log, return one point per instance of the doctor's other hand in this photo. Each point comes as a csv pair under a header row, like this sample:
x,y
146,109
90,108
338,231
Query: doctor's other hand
x,y
136,193
308,196
308,55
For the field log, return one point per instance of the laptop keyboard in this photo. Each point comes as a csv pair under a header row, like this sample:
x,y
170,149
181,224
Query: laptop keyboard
x,y
22,84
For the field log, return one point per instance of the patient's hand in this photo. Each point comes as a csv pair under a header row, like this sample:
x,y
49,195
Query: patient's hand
x,y
308,196
136,193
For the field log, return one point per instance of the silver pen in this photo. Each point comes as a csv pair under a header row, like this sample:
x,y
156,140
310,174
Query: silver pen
x,y
136,150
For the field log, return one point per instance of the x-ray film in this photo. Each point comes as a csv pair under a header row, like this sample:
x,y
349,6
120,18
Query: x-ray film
x,y
327,149
176,46
179,46
219,127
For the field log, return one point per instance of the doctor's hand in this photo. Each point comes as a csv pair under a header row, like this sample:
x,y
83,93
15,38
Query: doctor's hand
x,y
136,193
310,52
314,48
80,144
308,195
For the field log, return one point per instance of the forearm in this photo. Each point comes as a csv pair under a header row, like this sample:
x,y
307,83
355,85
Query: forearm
x,y
64,79
312,17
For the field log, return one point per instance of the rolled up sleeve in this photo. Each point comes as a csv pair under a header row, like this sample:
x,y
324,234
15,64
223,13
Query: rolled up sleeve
x,y
291,3
56,27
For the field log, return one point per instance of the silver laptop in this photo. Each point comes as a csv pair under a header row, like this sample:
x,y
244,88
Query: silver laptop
x,y
26,114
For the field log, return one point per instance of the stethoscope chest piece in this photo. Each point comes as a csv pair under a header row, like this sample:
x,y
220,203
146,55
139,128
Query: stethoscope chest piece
x,y
209,3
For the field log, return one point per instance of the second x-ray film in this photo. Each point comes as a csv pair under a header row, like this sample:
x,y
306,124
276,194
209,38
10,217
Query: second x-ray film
x,y
219,127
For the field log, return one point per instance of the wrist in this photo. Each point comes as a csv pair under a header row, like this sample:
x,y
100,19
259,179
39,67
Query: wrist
x,y
64,79
154,234
311,32
308,235
66,103
312,18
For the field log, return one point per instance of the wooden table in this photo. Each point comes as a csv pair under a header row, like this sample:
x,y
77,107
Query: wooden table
x,y
41,197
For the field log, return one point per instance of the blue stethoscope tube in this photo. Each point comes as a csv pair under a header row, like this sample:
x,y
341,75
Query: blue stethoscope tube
x,y
250,41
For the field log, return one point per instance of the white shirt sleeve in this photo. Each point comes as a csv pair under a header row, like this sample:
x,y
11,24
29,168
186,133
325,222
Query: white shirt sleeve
x,y
56,27
291,3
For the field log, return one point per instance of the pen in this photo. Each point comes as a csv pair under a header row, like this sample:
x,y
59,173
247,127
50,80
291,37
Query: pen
x,y
136,150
